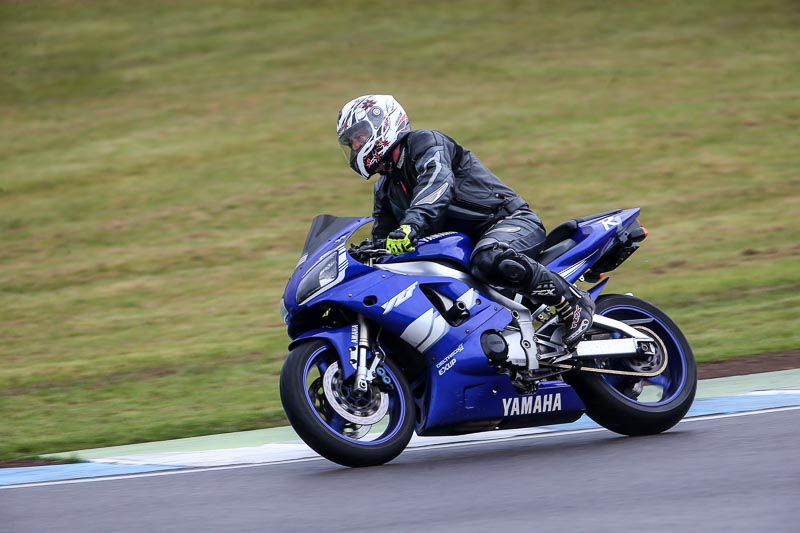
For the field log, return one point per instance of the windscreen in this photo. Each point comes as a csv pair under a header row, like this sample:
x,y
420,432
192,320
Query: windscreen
x,y
322,228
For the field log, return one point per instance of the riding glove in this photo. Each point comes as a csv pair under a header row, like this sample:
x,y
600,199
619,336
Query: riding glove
x,y
402,240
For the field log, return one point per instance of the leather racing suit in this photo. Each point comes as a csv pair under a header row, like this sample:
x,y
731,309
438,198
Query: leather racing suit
x,y
438,185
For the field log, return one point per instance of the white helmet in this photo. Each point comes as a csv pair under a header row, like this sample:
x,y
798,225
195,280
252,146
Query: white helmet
x,y
368,126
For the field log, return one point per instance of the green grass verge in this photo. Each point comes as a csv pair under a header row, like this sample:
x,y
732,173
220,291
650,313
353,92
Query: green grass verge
x,y
160,163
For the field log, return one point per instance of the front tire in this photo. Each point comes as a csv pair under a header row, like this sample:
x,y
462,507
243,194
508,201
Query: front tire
x,y
632,406
349,429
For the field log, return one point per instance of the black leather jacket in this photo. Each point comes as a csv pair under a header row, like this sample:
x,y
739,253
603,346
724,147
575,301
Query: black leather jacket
x,y
437,185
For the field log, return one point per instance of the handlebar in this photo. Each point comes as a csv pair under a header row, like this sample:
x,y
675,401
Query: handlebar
x,y
369,250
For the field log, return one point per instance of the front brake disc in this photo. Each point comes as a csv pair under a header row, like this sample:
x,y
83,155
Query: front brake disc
x,y
364,410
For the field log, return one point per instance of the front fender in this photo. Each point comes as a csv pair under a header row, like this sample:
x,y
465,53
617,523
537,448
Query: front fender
x,y
343,340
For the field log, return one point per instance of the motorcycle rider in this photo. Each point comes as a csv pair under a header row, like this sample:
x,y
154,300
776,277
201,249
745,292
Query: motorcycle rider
x,y
429,184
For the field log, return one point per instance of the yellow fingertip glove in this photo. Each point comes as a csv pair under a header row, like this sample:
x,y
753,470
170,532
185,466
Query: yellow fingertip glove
x,y
401,240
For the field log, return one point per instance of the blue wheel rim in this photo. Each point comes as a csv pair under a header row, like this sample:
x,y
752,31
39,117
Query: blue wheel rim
x,y
315,367
673,379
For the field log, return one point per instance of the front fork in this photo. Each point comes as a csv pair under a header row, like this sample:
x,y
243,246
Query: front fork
x,y
364,374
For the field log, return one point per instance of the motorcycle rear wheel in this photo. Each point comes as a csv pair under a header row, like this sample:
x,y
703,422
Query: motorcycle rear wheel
x,y
345,427
632,406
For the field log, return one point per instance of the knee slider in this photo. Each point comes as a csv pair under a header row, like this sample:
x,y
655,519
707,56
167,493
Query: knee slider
x,y
503,266
514,270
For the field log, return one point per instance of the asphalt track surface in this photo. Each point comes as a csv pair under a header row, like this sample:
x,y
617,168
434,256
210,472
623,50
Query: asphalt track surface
x,y
734,473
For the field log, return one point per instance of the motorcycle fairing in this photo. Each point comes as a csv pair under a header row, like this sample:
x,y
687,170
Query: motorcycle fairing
x,y
414,317
464,393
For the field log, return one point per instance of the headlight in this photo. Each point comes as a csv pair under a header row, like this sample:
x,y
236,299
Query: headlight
x,y
320,276
329,272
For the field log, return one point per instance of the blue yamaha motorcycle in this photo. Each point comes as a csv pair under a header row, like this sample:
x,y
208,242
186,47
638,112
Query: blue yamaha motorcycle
x,y
383,346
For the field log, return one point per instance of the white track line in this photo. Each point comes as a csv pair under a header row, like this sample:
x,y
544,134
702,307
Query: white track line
x,y
409,450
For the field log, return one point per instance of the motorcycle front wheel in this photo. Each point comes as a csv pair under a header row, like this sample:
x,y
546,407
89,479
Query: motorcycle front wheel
x,y
639,406
347,427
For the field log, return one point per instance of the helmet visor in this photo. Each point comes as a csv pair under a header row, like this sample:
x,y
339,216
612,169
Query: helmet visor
x,y
356,141
356,136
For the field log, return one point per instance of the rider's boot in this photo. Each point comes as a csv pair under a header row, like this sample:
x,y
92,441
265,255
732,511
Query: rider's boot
x,y
574,306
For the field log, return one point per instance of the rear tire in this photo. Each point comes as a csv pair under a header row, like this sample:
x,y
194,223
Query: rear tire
x,y
613,401
323,414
